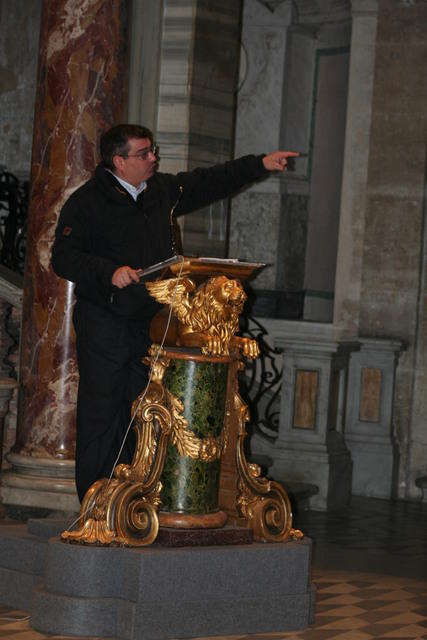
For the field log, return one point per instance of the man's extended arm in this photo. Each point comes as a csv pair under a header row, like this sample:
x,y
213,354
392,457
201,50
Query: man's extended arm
x,y
203,186
275,161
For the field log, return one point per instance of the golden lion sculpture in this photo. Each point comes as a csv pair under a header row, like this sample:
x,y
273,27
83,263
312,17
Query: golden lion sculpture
x,y
207,318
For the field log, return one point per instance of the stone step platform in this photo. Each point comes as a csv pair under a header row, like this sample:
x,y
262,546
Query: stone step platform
x,y
157,592
23,554
22,563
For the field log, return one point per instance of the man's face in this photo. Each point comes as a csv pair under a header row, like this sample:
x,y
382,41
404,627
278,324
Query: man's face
x,y
139,164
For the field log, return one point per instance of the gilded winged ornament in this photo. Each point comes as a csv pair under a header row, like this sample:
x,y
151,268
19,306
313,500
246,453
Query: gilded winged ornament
x,y
208,317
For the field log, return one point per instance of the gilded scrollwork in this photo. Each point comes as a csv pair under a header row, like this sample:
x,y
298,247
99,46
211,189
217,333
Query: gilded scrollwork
x,y
122,510
93,526
262,502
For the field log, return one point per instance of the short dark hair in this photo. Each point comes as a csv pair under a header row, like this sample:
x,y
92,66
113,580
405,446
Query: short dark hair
x,y
115,141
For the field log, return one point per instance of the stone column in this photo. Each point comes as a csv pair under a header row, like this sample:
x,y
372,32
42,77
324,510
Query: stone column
x,y
255,214
348,281
81,90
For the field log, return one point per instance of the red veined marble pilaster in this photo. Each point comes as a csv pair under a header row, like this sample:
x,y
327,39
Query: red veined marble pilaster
x,y
82,86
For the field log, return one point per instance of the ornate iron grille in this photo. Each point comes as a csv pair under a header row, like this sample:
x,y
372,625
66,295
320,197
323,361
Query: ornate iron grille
x,y
260,382
14,197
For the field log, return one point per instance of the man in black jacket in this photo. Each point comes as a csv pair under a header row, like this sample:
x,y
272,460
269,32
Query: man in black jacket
x,y
115,224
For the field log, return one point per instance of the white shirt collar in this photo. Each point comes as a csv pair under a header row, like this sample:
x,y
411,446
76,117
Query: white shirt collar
x,y
133,191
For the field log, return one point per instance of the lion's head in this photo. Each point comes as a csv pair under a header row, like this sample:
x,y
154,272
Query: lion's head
x,y
218,301
228,294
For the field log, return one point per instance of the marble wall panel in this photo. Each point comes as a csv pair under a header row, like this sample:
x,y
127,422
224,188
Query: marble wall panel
x,y
370,395
306,383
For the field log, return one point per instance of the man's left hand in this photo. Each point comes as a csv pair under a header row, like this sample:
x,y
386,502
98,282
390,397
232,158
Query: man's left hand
x,y
278,160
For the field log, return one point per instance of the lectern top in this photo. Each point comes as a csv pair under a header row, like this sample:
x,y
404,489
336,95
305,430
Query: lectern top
x,y
201,268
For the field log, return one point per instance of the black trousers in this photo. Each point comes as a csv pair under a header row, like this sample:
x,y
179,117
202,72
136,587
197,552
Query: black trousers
x,y
109,354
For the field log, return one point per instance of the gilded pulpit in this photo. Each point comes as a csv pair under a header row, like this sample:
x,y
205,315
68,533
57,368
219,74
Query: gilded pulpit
x,y
189,469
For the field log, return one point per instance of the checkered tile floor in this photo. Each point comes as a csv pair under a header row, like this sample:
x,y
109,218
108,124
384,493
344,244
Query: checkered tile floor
x,y
353,602
359,606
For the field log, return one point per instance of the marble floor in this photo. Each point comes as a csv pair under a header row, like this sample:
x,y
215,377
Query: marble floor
x,y
370,568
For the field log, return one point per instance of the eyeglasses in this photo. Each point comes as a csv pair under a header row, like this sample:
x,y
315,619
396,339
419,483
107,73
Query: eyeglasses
x,y
142,155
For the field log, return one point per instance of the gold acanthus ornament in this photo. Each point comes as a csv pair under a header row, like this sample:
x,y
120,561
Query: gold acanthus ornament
x,y
187,443
208,317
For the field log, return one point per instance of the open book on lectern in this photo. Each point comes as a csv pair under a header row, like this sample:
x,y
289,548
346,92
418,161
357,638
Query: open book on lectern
x,y
200,268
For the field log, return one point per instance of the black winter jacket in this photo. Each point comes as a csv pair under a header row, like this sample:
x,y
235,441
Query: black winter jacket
x,y
102,228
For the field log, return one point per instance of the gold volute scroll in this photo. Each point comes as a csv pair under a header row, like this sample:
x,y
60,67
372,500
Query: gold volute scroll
x,y
262,502
208,317
122,510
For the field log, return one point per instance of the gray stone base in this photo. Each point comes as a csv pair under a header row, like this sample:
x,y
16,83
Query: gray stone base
x,y
329,471
40,483
156,592
422,484
373,464
22,561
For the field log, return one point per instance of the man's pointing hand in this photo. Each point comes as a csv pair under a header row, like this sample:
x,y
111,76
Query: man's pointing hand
x,y
278,160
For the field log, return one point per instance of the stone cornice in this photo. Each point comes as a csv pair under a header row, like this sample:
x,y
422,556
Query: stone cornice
x,y
319,11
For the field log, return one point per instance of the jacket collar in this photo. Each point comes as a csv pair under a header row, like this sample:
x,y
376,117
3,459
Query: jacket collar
x,y
108,183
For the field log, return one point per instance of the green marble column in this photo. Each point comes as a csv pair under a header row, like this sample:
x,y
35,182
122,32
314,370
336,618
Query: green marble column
x,y
191,486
